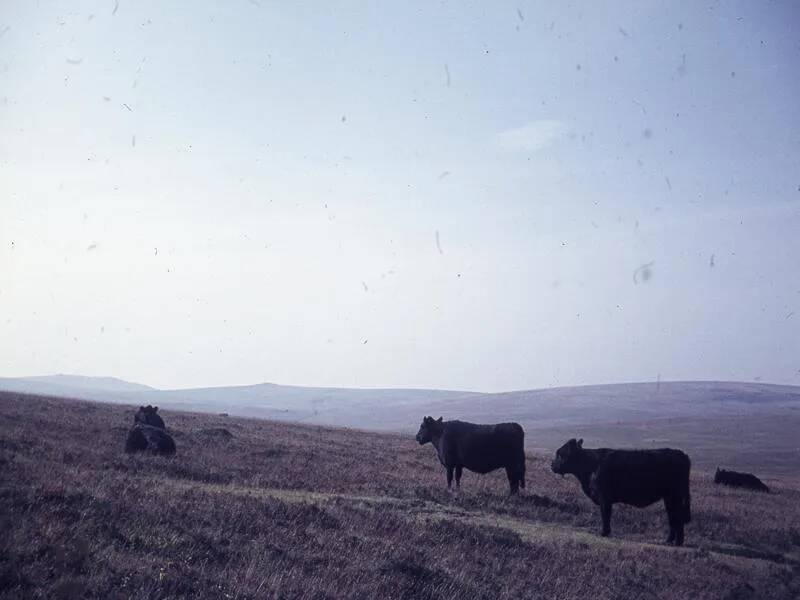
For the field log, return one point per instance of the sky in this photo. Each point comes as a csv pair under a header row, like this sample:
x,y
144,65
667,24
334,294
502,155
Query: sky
x,y
482,196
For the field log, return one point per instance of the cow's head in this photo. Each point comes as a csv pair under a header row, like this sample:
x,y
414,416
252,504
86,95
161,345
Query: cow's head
x,y
568,457
429,429
718,475
148,415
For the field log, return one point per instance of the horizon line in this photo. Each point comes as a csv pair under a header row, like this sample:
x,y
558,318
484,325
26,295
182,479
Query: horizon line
x,y
656,382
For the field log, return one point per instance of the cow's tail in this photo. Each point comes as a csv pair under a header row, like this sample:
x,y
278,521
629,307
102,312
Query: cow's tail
x,y
687,508
687,496
522,458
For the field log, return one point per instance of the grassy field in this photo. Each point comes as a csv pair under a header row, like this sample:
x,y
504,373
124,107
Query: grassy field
x,y
259,509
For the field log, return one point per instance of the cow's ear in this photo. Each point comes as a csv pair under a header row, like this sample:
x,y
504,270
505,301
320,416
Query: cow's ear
x,y
439,420
580,443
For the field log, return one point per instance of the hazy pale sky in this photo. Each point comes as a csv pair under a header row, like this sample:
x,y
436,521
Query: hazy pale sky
x,y
486,196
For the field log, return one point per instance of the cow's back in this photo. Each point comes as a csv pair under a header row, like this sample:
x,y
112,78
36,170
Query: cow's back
x,y
745,480
641,477
482,448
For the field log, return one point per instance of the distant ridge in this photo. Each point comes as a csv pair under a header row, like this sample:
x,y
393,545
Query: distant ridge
x,y
260,400
400,409
88,382
109,389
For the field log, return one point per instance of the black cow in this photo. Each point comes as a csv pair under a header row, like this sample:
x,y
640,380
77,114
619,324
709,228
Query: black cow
x,y
149,433
146,437
734,479
479,448
636,477
148,415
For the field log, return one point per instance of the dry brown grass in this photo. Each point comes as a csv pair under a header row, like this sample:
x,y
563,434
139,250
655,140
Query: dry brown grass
x,y
276,510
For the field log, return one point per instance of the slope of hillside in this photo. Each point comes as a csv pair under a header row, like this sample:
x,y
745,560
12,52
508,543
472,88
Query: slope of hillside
x,y
299,403
399,409
103,384
634,401
76,386
255,509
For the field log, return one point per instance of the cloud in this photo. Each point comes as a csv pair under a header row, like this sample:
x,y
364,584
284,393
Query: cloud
x,y
532,136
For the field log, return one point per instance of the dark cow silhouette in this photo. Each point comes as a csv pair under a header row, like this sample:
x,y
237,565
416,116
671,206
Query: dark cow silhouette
x,y
636,477
149,433
146,437
735,479
479,448
148,415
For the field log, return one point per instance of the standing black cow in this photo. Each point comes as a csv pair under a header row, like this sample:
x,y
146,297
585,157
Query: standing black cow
x,y
479,448
745,480
637,477
149,433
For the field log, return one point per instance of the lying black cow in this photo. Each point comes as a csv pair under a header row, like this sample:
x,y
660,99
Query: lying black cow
x,y
637,477
479,448
149,433
745,480
147,437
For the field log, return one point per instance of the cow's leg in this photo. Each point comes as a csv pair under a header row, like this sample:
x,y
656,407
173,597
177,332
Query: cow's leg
x,y
449,477
679,533
605,515
513,482
675,514
675,527
670,506
459,469
679,518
